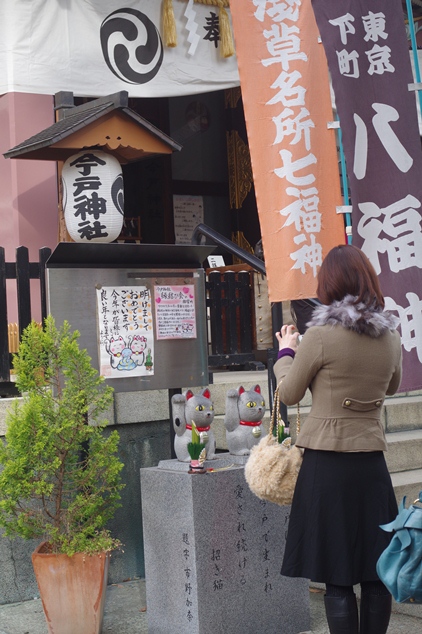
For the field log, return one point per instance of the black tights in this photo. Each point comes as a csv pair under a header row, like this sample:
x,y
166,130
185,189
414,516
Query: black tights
x,y
368,587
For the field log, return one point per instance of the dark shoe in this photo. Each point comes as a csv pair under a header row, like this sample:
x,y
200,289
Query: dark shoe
x,y
375,611
342,614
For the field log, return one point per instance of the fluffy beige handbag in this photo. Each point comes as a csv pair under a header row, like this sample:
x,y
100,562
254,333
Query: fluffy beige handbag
x,y
272,468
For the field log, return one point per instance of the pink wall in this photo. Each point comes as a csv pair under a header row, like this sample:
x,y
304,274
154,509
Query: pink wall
x,y
28,189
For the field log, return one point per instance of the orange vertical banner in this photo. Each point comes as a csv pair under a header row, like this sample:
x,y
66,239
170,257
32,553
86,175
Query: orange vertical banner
x,y
286,98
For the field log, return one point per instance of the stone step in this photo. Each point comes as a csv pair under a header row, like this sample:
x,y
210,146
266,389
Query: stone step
x,y
403,413
224,381
407,483
404,450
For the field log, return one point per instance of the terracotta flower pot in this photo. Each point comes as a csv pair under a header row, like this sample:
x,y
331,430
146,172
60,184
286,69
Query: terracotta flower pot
x,y
72,590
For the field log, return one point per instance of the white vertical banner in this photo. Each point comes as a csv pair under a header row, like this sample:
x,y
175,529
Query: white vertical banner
x,y
97,47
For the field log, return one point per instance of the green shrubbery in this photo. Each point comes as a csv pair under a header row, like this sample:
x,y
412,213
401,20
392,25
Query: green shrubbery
x,y
60,476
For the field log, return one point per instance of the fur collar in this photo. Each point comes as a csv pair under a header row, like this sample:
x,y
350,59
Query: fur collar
x,y
363,319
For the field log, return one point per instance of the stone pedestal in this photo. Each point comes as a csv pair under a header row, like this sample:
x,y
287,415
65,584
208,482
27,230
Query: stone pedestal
x,y
213,553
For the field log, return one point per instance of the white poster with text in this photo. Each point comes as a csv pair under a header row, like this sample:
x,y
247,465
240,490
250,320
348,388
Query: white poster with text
x,y
126,335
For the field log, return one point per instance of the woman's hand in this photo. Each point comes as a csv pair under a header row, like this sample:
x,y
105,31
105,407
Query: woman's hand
x,y
287,338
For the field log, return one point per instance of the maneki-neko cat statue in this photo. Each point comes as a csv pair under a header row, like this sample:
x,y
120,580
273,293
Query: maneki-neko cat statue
x,y
245,410
199,408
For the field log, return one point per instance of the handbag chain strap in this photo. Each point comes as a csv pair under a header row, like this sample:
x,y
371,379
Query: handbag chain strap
x,y
275,415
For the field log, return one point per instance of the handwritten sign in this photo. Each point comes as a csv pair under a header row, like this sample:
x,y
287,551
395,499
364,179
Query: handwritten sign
x,y
175,312
126,331
188,213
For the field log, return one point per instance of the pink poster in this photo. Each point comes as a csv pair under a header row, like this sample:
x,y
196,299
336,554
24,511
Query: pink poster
x,y
175,315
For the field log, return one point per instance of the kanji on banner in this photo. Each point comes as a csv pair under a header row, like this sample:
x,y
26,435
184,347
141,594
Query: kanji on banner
x,y
368,57
286,97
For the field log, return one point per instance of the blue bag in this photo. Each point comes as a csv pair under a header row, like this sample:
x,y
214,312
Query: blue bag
x,y
400,565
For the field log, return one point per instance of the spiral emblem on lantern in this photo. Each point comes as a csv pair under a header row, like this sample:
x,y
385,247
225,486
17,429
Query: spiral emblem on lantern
x,y
117,194
131,46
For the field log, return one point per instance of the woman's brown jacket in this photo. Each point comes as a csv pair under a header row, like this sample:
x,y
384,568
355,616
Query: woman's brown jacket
x,y
350,358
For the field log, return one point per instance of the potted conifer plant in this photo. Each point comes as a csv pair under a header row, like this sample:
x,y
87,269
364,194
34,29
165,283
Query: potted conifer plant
x,y
60,475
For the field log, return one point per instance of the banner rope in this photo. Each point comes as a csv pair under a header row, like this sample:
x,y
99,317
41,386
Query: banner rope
x,y
169,24
226,37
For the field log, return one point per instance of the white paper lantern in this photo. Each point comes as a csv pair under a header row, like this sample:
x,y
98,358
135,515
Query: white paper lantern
x,y
93,205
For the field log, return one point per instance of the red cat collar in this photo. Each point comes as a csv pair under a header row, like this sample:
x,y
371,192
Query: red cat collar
x,y
200,429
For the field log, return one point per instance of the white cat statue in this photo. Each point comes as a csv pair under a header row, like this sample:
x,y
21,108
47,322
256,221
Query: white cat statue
x,y
190,407
245,410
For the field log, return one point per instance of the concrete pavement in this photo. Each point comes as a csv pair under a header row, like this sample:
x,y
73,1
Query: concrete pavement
x,y
125,613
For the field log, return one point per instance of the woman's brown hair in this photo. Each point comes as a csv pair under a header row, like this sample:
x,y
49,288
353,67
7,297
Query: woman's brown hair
x,y
347,271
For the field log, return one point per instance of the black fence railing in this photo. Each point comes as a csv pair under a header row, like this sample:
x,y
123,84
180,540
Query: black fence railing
x,y
22,270
229,301
231,305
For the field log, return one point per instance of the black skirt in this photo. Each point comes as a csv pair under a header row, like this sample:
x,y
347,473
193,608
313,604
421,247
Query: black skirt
x,y
339,502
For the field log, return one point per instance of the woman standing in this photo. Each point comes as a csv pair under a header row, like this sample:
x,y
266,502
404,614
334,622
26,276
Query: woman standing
x,y
350,358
